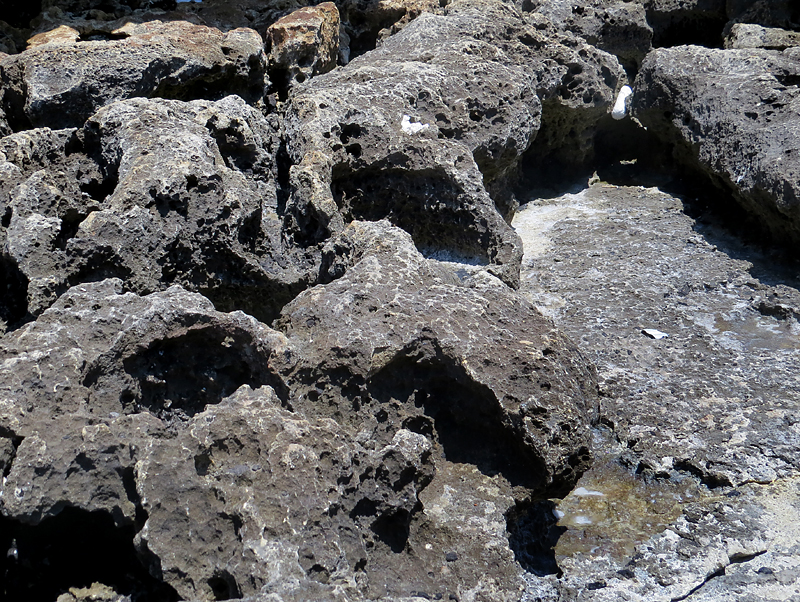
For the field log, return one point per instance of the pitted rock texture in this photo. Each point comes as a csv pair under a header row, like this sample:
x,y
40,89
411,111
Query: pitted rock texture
x,y
304,43
446,135
731,114
618,27
60,84
197,205
716,398
260,337
390,312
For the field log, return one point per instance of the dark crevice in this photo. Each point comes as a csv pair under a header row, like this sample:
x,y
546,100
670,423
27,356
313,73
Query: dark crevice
x,y
403,197
9,444
438,399
711,481
533,533
13,295
176,377
701,29
75,548
694,590
18,13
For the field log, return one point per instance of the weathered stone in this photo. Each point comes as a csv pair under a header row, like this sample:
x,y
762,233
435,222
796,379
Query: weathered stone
x,y
304,43
63,34
196,205
745,35
619,28
105,364
413,345
419,127
731,114
63,85
715,400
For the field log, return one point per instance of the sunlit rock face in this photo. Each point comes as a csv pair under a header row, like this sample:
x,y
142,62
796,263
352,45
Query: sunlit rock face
x,y
398,300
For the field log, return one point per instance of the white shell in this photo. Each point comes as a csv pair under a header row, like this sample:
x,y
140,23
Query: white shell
x,y
412,128
621,105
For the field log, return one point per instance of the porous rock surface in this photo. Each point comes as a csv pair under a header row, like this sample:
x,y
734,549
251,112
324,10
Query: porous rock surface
x,y
269,332
733,114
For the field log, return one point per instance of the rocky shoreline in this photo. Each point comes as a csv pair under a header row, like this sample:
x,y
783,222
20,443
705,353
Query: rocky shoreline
x,y
377,301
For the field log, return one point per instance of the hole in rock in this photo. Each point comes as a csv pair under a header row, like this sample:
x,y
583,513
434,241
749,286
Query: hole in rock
x,y
181,375
467,420
70,223
424,202
533,533
223,586
393,529
13,294
177,377
701,29
75,548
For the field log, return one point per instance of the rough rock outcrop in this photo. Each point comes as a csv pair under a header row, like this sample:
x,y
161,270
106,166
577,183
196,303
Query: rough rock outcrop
x,y
731,114
620,28
62,84
195,205
414,345
747,35
261,340
414,129
304,43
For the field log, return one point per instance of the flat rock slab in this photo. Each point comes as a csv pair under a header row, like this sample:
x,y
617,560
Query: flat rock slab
x,y
716,399
720,394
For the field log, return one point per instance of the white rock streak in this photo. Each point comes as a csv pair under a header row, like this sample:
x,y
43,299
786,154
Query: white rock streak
x,y
412,128
621,106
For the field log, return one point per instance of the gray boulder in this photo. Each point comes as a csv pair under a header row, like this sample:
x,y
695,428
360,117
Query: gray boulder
x,y
619,28
732,115
747,35
62,84
195,205
440,114
414,345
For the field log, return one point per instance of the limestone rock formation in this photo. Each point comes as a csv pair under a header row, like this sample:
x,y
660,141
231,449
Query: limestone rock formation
x,y
732,114
305,42
273,326
61,84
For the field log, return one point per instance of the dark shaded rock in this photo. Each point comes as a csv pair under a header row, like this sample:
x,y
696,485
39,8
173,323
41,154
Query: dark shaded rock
x,y
784,14
677,22
274,502
731,114
398,340
619,28
82,384
64,84
45,190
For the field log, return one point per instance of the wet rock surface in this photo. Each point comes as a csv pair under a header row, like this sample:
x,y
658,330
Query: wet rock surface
x,y
274,327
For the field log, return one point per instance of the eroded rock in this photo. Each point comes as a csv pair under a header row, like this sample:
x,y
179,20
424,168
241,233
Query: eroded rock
x,y
366,149
412,345
731,114
61,84
304,43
